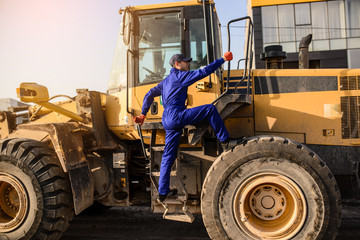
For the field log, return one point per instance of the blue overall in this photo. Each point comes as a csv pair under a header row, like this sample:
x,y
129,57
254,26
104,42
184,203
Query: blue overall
x,y
173,90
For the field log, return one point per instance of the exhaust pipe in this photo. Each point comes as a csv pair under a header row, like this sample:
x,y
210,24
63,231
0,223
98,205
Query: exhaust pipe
x,y
273,56
304,51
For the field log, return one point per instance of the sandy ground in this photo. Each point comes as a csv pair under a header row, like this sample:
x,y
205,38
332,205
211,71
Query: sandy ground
x,y
141,223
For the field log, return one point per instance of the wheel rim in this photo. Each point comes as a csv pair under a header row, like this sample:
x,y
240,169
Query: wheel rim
x,y
270,206
13,202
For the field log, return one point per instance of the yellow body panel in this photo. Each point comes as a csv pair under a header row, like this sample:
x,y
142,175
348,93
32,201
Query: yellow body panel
x,y
121,122
55,117
259,3
118,120
309,117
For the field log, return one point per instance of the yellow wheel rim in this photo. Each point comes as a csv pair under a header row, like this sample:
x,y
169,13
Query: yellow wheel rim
x,y
270,206
13,202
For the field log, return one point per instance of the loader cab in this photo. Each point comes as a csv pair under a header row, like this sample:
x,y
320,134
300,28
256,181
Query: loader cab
x,y
149,36
161,34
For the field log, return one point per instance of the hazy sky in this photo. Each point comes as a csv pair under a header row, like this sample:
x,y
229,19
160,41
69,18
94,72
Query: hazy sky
x,y
69,44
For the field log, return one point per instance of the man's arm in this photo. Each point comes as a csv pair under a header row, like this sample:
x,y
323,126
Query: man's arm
x,y
148,100
149,97
193,76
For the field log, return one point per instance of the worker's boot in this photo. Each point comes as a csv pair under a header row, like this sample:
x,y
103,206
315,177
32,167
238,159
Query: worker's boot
x,y
230,143
172,193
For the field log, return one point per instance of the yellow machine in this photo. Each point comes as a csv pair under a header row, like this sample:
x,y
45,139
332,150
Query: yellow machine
x,y
282,182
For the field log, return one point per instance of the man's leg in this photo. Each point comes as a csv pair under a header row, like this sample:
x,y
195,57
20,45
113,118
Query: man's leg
x,y
208,112
172,139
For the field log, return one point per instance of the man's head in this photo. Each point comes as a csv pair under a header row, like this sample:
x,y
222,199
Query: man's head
x,y
180,62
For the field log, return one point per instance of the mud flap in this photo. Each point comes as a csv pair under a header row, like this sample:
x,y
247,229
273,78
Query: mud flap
x,y
81,186
68,145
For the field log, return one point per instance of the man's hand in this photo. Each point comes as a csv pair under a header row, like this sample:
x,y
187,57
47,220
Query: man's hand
x,y
139,119
228,56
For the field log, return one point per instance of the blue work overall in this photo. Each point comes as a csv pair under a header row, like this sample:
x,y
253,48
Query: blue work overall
x,y
173,90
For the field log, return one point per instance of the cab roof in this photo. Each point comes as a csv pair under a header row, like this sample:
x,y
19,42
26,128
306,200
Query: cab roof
x,y
166,5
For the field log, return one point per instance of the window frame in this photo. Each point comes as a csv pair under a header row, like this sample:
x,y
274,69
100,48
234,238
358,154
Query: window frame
x,y
332,42
179,10
186,13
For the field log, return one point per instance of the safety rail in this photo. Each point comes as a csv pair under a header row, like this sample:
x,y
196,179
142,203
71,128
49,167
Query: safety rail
x,y
248,57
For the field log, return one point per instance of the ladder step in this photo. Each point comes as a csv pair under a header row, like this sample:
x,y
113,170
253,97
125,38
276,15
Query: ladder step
x,y
158,148
157,174
170,201
181,217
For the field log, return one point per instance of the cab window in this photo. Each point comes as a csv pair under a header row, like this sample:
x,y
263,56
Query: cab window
x,y
159,39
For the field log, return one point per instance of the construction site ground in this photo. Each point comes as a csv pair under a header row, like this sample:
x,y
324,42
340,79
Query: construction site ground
x,y
140,223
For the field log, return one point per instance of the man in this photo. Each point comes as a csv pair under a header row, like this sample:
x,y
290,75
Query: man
x,y
173,90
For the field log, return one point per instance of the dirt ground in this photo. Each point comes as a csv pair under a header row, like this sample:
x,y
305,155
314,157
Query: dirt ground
x,y
140,223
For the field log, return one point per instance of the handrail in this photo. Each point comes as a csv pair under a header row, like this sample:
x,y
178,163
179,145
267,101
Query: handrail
x,y
248,49
229,66
206,36
127,82
238,64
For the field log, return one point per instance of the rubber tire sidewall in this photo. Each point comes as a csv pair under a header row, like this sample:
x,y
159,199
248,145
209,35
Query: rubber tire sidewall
x,y
306,181
21,171
277,148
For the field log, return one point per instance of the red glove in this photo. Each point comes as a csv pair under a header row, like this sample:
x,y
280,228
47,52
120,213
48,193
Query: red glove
x,y
228,56
139,119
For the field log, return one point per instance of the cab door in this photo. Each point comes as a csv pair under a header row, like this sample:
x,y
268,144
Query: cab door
x,y
159,37
162,33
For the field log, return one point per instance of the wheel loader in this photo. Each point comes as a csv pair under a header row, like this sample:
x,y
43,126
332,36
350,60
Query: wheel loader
x,y
300,146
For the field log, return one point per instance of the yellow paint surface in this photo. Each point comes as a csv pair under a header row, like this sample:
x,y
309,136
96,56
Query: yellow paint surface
x,y
304,114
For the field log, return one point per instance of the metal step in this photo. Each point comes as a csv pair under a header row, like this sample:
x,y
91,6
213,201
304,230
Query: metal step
x,y
230,103
226,106
157,174
184,216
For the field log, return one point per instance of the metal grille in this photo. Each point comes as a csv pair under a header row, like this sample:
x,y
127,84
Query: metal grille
x,y
350,108
344,84
352,83
349,83
242,88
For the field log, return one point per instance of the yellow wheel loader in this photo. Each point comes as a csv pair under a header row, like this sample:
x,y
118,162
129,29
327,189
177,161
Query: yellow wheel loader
x,y
283,181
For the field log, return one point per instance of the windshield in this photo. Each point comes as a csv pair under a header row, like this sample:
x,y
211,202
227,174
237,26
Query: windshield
x,y
159,39
198,50
118,75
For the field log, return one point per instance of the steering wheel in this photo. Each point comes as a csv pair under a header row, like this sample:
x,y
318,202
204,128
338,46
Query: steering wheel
x,y
153,74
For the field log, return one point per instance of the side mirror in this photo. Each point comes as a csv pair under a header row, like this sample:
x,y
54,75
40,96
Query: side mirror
x,y
32,92
126,25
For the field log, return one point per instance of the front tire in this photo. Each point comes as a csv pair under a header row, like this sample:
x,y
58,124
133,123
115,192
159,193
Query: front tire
x,y
270,188
35,195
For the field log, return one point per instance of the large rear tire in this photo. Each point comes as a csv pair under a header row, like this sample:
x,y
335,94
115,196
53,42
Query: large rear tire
x,y
35,195
270,188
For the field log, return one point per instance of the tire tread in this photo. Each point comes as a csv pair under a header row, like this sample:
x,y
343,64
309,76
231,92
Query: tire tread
x,y
54,183
208,209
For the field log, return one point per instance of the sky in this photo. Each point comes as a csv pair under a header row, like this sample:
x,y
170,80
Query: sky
x,y
69,44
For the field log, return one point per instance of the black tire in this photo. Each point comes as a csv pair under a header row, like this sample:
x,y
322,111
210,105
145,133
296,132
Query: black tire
x,y
41,205
302,190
